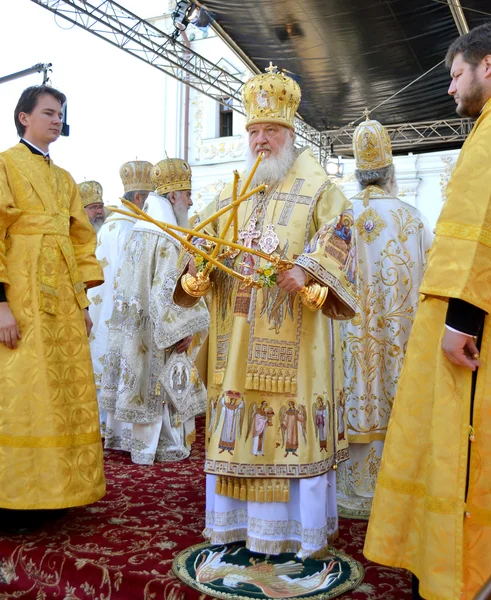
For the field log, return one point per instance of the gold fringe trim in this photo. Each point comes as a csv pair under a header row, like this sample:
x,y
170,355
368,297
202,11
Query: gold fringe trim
x,y
267,546
253,489
271,380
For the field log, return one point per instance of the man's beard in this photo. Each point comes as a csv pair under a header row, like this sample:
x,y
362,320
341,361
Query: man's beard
x,y
97,223
181,214
470,104
272,168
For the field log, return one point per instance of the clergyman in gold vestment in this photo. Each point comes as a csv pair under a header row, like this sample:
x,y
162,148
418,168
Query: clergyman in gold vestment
x,y
50,446
274,431
432,508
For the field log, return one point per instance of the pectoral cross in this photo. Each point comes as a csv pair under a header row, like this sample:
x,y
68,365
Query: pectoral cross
x,y
250,235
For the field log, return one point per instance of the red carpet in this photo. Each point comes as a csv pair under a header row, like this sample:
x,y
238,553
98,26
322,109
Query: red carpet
x,y
122,547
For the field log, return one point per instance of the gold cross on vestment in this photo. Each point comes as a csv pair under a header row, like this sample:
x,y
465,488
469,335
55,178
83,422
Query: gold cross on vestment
x,y
272,68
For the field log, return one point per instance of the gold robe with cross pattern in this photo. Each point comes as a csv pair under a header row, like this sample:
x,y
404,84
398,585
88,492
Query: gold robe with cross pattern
x,y
50,446
269,361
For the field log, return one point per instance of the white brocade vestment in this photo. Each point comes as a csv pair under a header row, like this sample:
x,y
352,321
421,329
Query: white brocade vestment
x,y
393,239
111,240
145,326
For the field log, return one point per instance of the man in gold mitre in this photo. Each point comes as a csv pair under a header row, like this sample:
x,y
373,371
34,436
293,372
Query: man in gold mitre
x,y
51,454
91,195
432,507
392,242
111,240
148,364
270,469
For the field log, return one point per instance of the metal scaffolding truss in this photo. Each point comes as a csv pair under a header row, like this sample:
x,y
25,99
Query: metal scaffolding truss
x,y
117,25
406,135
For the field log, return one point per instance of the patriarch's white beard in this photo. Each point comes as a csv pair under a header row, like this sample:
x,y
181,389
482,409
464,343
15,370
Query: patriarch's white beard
x,y
272,168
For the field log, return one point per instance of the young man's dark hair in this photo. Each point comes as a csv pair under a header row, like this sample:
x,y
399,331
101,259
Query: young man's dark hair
x,y
29,99
473,46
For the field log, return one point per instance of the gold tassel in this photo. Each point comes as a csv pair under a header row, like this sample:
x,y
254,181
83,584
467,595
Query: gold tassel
x,y
274,384
218,377
255,383
269,492
268,382
262,382
248,380
236,488
294,385
286,491
277,492
251,492
243,489
288,386
260,495
230,487
281,385
157,388
224,486
218,485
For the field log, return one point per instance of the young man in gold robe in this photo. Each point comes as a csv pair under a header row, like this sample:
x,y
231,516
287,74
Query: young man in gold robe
x,y
50,446
270,354
432,507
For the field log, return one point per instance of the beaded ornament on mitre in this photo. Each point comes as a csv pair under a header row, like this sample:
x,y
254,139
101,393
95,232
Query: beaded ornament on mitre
x,y
371,146
90,192
271,97
171,175
135,176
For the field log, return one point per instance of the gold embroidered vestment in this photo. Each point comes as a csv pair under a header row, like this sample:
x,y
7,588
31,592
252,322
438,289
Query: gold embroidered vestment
x,y
269,356
50,447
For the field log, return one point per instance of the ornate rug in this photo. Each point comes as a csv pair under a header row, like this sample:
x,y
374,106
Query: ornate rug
x,y
234,572
122,547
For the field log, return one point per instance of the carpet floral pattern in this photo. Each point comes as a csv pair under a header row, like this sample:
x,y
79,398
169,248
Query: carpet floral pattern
x,y
122,547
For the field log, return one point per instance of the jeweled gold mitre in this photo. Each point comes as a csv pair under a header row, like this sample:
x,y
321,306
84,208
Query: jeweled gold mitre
x,y
135,176
90,192
371,146
271,97
171,175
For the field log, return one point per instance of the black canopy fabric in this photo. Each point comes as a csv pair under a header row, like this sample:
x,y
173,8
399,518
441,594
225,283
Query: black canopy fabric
x,y
349,55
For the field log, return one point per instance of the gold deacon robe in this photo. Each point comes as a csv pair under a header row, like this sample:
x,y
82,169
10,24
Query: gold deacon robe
x,y
269,365
50,446
422,518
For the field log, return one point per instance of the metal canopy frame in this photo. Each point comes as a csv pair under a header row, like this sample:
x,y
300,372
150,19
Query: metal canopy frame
x,y
120,27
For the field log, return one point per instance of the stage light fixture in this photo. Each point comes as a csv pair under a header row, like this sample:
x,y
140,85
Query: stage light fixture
x,y
333,165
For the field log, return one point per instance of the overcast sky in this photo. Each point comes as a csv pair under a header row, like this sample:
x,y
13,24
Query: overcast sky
x,y
115,101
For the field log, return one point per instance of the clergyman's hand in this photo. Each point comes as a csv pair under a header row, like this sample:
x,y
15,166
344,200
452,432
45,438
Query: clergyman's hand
x,y
292,280
184,344
461,349
192,268
9,330
88,322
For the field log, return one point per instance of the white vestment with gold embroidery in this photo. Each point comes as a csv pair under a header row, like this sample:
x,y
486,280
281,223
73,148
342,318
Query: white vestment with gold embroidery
x,y
111,240
145,325
392,239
